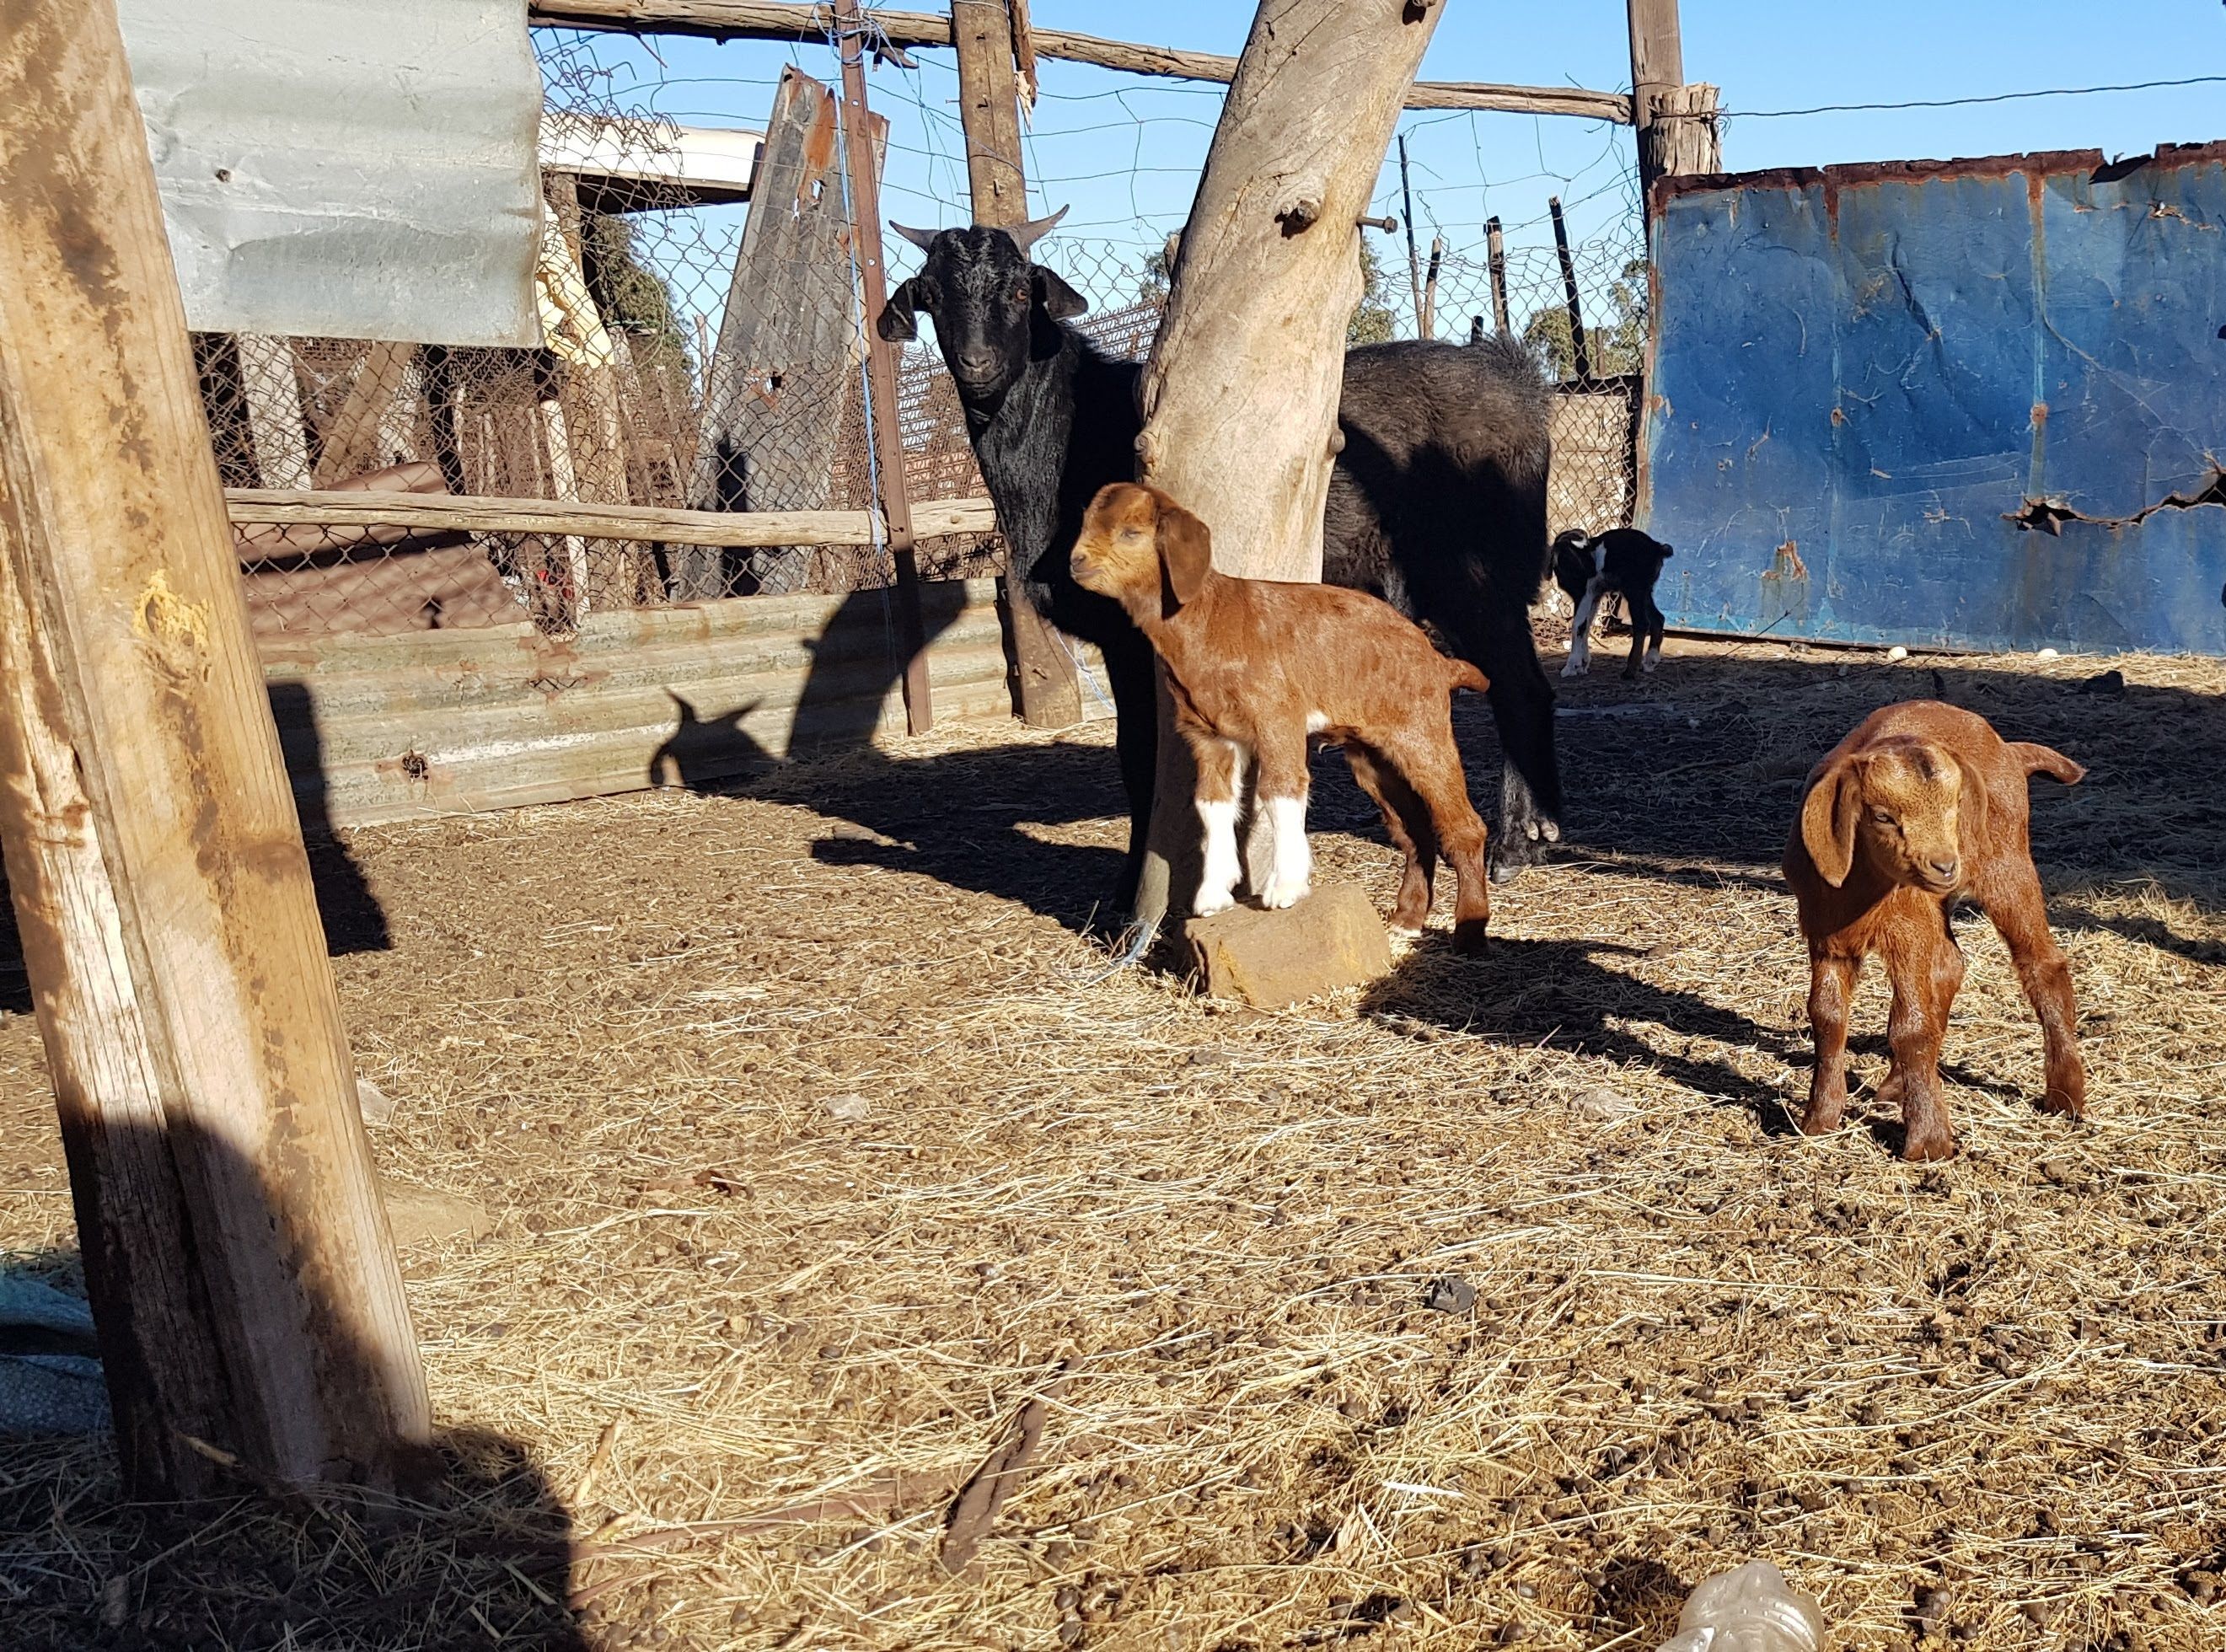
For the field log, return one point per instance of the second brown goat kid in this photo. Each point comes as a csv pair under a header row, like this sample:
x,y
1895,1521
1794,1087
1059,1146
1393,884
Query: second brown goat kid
x,y
1923,805
1256,666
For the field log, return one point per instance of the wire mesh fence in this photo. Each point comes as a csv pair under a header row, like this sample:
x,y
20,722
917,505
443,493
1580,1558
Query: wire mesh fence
x,y
708,355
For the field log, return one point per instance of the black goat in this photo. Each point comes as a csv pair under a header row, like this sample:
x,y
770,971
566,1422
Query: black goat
x,y
1437,503
1624,562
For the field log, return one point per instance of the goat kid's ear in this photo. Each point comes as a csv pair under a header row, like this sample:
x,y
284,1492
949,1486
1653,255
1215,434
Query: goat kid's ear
x,y
1185,550
1827,821
895,323
1058,300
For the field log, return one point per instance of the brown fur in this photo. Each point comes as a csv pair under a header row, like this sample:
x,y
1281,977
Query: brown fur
x,y
1249,661
1922,805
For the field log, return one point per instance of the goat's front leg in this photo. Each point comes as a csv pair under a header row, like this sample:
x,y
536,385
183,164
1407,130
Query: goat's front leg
x,y
1220,773
2019,913
1281,791
1927,974
1831,989
1580,629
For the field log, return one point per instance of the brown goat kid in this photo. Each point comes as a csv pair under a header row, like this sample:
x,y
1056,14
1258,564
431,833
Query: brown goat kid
x,y
1922,805
1256,666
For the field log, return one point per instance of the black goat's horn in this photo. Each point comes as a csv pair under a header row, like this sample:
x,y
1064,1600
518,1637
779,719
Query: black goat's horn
x,y
1027,235
921,238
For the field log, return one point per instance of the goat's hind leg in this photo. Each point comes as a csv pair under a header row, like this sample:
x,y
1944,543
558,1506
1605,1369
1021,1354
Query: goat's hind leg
x,y
1407,822
1220,774
1431,763
1523,708
2019,913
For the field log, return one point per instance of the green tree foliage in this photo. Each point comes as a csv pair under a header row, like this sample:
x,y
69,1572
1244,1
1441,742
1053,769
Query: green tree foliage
x,y
1372,320
630,294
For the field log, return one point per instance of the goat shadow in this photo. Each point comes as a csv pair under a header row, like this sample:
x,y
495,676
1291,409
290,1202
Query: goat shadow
x,y
477,1548
957,817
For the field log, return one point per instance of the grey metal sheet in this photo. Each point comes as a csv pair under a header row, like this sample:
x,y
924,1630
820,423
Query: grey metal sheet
x,y
344,169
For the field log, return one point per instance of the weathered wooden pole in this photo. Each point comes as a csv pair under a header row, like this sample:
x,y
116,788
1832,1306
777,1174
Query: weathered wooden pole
x,y
1407,216
1676,123
984,31
1496,256
235,1245
1240,395
1580,353
859,165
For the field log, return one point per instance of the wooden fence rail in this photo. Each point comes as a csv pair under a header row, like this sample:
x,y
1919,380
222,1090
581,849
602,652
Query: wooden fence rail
x,y
791,20
480,514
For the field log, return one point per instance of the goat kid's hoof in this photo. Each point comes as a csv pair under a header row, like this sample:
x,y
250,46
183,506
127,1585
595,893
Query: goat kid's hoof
x,y
1469,938
1814,1121
1577,668
2063,1105
1928,1149
1277,897
1211,901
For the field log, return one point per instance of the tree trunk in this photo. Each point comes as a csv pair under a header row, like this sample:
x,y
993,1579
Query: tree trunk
x,y
236,1249
1240,395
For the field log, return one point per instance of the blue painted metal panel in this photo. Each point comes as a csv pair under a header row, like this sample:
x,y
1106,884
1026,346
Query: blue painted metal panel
x,y
1945,405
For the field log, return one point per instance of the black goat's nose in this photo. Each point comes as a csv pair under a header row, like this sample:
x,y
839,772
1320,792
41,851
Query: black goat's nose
x,y
976,366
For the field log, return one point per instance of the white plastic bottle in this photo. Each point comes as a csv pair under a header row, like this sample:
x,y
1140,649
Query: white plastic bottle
x,y
1751,1610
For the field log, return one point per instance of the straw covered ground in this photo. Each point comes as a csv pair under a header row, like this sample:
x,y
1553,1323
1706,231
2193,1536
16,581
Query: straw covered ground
x,y
823,1164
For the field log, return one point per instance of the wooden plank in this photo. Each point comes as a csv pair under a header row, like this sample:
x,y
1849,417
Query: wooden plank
x,y
1580,347
783,368
391,729
1496,257
861,166
274,409
1047,688
371,431
479,513
236,1248
786,20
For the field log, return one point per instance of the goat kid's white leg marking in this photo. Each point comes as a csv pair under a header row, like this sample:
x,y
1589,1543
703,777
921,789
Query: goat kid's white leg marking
x,y
1580,629
1216,886
1653,658
1293,876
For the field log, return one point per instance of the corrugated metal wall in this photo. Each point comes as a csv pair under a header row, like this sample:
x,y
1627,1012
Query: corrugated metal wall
x,y
1967,404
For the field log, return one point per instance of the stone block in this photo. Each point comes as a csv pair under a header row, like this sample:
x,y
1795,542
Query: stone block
x,y
1332,938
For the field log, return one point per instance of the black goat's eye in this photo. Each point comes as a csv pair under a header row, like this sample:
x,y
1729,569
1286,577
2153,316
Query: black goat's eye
x,y
1021,294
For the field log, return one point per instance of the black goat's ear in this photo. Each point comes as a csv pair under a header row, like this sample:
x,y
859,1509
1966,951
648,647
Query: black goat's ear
x,y
1058,300
1185,550
895,322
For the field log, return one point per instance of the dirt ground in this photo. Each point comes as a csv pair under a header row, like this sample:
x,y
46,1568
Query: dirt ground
x,y
817,1144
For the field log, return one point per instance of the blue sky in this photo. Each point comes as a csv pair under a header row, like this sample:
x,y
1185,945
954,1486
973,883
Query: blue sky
x,y
1121,152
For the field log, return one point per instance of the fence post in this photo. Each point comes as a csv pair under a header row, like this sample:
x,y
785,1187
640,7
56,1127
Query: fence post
x,y
1581,355
882,367
1676,123
236,1249
984,30
1496,256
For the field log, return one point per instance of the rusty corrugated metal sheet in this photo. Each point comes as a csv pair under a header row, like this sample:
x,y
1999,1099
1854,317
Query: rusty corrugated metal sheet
x,y
1975,404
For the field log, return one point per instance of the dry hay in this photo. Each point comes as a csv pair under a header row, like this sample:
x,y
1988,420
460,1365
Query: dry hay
x,y
729,1352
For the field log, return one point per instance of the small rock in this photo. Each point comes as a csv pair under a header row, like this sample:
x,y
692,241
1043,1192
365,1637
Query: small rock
x,y
1072,1631
1332,938
1897,652
2202,1586
851,832
849,1108
1452,1294
374,1103
2048,653
1604,1104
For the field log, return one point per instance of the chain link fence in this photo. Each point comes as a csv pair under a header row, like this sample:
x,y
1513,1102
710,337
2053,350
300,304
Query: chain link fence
x,y
698,360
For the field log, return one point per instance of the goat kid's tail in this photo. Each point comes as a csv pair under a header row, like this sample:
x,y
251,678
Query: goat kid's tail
x,y
1466,676
2042,759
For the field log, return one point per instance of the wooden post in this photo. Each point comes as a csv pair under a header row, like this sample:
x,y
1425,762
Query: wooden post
x,y
1580,354
235,1245
1676,123
274,409
1496,255
1240,395
1050,688
1430,288
1407,216
859,166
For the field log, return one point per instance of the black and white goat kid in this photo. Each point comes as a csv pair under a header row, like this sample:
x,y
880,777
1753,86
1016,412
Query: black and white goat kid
x,y
1624,562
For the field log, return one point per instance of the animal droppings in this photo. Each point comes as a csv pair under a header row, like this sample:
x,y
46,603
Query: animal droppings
x,y
1452,1294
